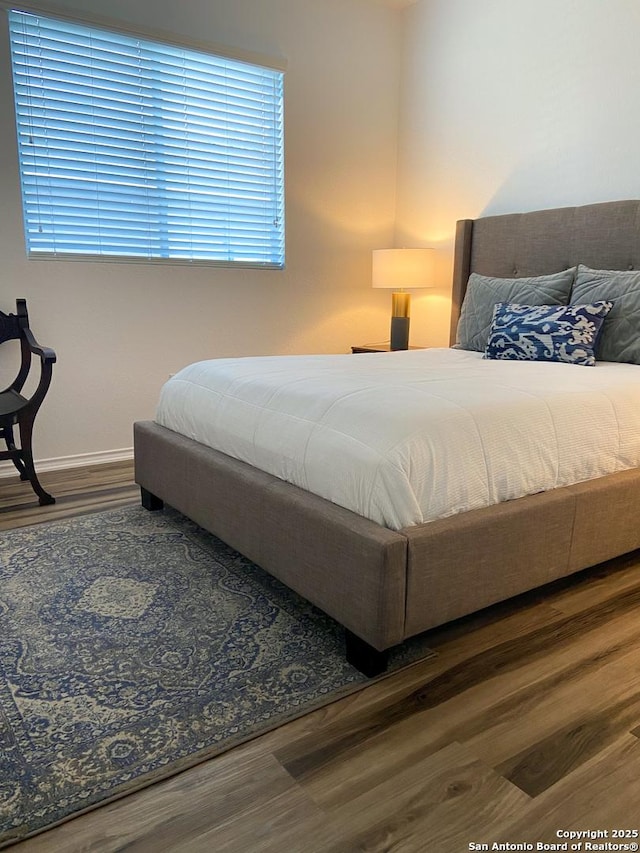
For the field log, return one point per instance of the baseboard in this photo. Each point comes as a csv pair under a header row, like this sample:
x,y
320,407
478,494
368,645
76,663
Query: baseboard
x,y
80,460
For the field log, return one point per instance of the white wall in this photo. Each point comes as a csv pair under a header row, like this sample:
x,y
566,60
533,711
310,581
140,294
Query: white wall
x,y
510,106
120,329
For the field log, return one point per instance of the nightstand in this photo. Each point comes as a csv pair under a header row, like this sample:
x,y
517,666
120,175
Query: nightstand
x,y
383,347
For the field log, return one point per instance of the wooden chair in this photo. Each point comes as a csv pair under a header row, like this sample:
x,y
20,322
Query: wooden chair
x,y
20,411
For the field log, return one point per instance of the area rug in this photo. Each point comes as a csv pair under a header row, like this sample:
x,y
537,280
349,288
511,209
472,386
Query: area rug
x,y
135,644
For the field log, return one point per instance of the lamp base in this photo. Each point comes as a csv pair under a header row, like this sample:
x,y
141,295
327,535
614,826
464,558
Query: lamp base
x,y
399,333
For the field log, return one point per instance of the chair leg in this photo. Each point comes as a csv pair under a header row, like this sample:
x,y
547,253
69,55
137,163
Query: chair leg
x,y
26,429
7,434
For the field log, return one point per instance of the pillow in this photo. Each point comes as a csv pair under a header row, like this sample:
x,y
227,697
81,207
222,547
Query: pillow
x,y
484,292
620,337
566,333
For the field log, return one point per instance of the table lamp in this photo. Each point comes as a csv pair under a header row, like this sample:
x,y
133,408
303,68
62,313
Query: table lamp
x,y
401,269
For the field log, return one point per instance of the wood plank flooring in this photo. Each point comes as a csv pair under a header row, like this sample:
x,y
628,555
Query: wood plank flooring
x,y
525,724
77,491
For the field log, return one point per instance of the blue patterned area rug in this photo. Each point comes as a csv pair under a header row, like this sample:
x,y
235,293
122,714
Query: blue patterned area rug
x,y
134,645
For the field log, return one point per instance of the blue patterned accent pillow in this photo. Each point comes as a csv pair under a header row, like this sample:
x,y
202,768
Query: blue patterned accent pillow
x,y
546,332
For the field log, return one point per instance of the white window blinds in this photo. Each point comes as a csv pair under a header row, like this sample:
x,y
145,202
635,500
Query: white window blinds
x,y
134,149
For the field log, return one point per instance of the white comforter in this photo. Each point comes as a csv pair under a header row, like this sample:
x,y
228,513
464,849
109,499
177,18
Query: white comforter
x,y
407,437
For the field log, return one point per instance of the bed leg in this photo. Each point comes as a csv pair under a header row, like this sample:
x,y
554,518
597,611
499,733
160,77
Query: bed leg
x,y
150,501
364,657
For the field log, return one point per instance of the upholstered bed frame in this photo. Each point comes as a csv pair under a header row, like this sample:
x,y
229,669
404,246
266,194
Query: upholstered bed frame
x,y
382,585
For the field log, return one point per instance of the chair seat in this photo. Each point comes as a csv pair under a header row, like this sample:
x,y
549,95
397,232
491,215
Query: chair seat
x,y
10,404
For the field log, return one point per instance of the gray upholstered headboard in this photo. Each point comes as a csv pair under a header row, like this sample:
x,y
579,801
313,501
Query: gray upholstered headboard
x,y
602,236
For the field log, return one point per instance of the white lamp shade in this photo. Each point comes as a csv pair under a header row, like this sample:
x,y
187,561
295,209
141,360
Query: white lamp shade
x,y
403,268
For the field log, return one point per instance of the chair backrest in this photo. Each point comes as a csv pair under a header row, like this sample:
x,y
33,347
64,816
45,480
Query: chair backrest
x,y
11,325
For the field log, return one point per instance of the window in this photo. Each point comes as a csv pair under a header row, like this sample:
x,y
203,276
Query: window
x,y
135,149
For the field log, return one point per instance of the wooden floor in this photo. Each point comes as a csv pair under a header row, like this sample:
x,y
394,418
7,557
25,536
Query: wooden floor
x,y
77,491
525,725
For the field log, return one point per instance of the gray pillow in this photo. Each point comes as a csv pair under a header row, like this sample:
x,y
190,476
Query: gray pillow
x,y
620,336
483,293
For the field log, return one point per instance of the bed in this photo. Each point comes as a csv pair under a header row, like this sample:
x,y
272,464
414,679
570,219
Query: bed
x,y
385,585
